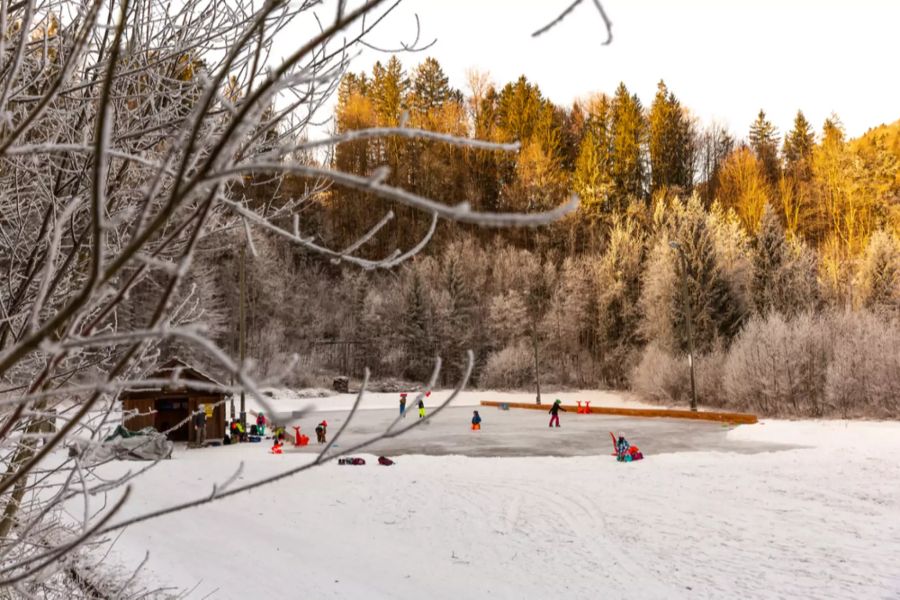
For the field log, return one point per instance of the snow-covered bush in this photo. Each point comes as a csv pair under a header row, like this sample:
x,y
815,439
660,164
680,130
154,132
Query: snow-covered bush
x,y
708,372
660,377
814,365
863,378
878,276
511,367
778,367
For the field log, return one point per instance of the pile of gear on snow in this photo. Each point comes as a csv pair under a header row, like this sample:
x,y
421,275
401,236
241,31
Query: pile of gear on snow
x,y
122,444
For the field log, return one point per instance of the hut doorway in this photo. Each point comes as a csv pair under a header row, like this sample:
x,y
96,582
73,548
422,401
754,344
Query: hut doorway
x,y
169,413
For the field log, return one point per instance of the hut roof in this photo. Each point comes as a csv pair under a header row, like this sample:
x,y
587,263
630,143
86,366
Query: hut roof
x,y
186,373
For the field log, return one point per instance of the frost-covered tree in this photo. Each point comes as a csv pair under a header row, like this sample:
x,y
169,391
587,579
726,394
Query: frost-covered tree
x,y
718,310
659,290
771,254
134,133
878,277
417,328
618,291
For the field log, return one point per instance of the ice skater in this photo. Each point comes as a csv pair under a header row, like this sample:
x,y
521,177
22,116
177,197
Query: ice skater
x,y
403,404
476,421
554,412
261,424
421,408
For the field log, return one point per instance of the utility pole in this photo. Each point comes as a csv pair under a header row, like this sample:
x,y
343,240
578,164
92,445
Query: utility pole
x,y
537,369
242,336
690,319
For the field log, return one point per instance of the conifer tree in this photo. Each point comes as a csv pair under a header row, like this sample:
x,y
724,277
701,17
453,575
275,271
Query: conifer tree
x,y
628,131
671,144
718,312
878,280
591,179
796,186
460,308
768,264
388,91
430,87
484,165
798,149
618,291
416,331
764,141
519,108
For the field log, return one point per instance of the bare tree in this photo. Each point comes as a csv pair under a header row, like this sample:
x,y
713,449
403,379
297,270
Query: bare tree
x,y
129,132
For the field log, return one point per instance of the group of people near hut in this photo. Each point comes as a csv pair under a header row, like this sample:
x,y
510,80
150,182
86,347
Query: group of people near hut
x,y
278,437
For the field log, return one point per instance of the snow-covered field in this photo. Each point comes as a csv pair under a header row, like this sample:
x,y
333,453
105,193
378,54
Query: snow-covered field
x,y
821,521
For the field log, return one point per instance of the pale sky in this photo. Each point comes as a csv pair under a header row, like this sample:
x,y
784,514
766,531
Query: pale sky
x,y
724,59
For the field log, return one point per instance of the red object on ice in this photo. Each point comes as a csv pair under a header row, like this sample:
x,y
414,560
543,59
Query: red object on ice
x,y
587,407
300,439
580,410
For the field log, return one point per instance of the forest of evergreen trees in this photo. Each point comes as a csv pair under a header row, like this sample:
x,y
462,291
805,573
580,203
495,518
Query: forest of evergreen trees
x,y
791,244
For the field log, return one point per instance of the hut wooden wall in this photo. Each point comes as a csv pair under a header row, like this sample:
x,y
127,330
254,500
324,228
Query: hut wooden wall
x,y
145,418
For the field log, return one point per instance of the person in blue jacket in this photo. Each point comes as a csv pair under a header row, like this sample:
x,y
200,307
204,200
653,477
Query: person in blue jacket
x,y
476,421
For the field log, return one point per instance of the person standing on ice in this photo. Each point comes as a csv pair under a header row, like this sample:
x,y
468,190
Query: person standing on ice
x,y
476,421
322,432
261,423
403,404
554,412
421,408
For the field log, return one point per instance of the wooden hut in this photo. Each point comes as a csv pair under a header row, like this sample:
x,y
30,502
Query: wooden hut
x,y
163,407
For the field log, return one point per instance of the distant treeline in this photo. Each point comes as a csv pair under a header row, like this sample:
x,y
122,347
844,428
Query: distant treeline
x,y
790,251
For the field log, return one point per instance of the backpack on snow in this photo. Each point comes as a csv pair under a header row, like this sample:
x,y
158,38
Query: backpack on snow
x,y
383,460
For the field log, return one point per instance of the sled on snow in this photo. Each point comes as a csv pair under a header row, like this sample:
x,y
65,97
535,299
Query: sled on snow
x,y
627,452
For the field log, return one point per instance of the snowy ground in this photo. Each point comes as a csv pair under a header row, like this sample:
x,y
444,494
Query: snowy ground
x,y
733,514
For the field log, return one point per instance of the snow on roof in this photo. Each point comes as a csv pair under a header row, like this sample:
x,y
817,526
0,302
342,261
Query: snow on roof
x,y
184,370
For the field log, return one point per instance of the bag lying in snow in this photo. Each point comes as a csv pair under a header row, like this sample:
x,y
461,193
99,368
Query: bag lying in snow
x,y
383,460
351,461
